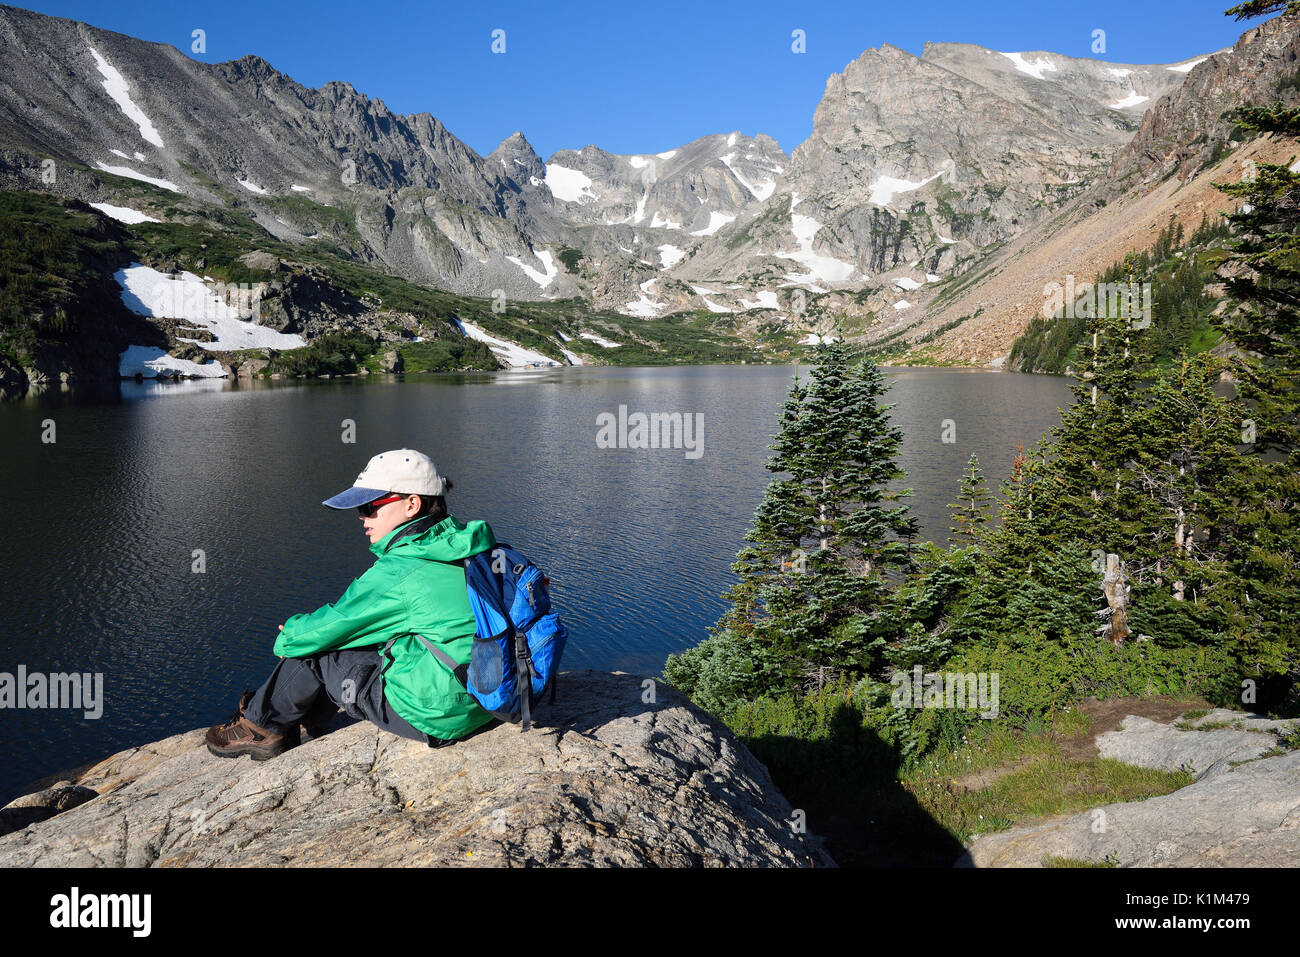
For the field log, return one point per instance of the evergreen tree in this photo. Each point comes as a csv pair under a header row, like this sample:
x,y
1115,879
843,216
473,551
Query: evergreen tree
x,y
1262,277
970,511
826,547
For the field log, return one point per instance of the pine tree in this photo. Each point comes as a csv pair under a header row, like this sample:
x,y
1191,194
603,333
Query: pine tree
x,y
1263,279
970,511
814,580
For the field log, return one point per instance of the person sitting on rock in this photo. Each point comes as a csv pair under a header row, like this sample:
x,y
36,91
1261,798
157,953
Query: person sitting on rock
x,y
362,652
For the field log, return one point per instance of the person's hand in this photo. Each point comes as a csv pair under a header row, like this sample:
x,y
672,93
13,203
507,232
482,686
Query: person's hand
x,y
281,627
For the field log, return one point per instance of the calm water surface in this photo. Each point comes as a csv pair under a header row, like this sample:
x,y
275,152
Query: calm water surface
x,y
101,526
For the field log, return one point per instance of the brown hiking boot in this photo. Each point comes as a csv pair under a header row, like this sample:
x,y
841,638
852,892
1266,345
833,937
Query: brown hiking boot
x,y
240,736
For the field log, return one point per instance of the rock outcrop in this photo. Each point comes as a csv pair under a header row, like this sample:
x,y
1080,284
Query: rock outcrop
x,y
1243,810
609,781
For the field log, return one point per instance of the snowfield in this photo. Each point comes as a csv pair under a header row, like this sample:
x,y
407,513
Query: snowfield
x,y
132,174
716,221
766,300
1035,68
116,87
643,308
148,292
886,188
124,214
605,343
820,268
670,255
570,185
761,190
1133,99
151,362
542,279
512,354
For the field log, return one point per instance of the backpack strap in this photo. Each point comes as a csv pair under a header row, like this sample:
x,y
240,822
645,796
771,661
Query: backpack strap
x,y
523,678
459,671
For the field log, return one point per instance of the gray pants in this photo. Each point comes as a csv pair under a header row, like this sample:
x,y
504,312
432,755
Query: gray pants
x,y
350,678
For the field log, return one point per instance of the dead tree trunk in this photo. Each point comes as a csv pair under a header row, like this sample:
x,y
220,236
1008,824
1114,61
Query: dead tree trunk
x,y
1114,586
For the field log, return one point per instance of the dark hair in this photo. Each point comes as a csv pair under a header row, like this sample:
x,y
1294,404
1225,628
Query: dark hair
x,y
435,505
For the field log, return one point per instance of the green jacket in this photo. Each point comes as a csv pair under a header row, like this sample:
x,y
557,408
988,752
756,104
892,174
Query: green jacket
x,y
415,587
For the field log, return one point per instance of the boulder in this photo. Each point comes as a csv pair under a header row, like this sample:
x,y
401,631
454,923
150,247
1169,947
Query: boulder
x,y
1243,810
1246,816
189,350
605,780
264,261
249,368
391,361
1151,744
42,805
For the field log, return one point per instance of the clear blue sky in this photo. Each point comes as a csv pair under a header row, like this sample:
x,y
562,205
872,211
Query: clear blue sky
x,y
637,77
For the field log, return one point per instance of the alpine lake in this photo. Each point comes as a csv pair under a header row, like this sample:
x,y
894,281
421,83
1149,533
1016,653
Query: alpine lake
x,y
157,534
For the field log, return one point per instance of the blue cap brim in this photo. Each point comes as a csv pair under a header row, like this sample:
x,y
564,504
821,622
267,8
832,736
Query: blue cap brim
x,y
354,497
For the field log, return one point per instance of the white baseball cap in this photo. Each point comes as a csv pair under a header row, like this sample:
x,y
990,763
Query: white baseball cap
x,y
405,471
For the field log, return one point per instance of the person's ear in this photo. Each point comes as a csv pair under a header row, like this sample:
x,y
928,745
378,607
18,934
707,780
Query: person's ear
x,y
412,505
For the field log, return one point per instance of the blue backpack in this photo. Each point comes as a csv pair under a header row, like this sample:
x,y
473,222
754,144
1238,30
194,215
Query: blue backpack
x,y
518,640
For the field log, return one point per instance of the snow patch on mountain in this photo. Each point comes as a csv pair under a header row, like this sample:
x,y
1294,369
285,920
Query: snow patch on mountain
x,y
1035,68
605,343
765,300
511,353
151,363
1186,67
116,87
1133,99
148,292
884,189
542,279
644,308
670,255
824,268
716,221
570,185
761,190
132,174
251,186
124,214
